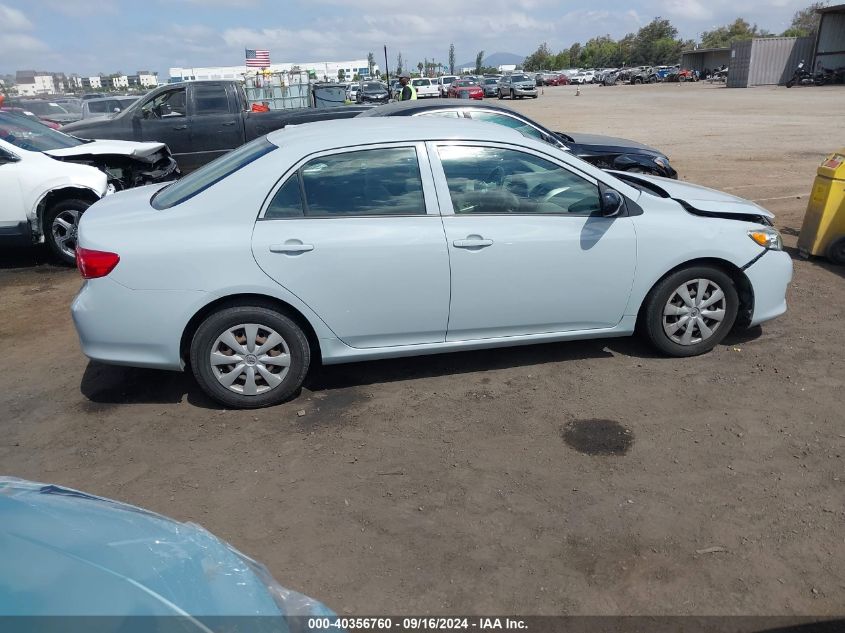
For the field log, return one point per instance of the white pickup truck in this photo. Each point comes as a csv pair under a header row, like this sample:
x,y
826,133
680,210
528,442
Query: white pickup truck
x,y
48,179
443,82
426,88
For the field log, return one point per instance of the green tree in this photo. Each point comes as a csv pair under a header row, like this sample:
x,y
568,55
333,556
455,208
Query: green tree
x,y
656,43
560,61
805,21
451,59
399,63
724,36
371,62
341,75
479,62
575,54
538,60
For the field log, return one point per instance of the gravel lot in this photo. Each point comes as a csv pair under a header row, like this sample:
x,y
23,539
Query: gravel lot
x,y
467,483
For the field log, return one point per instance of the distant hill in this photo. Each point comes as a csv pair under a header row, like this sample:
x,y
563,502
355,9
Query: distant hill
x,y
495,60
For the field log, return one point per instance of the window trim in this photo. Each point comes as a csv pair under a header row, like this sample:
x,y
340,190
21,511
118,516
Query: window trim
x,y
430,197
445,196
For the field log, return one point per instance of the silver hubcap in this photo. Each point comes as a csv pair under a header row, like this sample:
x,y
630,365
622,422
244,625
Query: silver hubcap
x,y
250,359
65,228
694,312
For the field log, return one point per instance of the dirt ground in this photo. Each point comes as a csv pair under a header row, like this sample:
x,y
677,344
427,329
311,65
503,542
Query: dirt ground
x,y
577,478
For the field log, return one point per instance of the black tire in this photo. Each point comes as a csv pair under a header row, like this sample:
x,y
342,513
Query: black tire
x,y
653,309
534,96
790,83
513,95
54,232
836,251
218,323
500,95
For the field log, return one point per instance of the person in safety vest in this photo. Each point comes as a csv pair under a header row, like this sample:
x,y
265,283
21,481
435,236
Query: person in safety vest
x,y
408,91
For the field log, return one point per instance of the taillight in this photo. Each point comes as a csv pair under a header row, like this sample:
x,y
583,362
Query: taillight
x,y
94,264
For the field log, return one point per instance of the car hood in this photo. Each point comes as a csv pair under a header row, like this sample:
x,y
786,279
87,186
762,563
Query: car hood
x,y
66,552
98,148
599,142
700,198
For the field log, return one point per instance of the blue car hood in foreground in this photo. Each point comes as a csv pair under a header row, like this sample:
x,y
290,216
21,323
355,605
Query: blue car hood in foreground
x,y
66,553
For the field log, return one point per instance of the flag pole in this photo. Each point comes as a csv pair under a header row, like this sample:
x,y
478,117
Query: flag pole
x,y
386,68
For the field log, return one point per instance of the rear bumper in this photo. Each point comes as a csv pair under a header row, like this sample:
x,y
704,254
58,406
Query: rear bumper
x,y
769,276
15,234
138,328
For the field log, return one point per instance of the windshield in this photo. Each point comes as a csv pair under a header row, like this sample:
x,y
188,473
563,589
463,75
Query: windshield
x,y
373,86
31,135
520,78
463,83
448,80
44,108
491,81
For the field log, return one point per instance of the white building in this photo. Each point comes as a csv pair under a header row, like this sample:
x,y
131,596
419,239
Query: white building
x,y
30,83
323,71
507,68
95,82
147,79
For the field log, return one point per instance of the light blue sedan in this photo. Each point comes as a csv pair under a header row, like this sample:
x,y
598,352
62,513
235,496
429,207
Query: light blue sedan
x,y
363,239
67,553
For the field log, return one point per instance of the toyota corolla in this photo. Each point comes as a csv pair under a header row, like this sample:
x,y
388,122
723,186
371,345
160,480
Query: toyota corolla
x,y
363,239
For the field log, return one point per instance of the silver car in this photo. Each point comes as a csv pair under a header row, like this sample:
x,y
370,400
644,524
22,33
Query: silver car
x,y
373,238
517,86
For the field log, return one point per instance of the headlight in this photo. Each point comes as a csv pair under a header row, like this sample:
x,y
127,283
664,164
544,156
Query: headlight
x,y
767,238
662,161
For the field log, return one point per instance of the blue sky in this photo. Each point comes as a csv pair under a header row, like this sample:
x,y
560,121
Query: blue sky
x,y
127,35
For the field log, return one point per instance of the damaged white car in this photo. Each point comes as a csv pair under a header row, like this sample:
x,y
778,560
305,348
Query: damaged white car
x,y
48,179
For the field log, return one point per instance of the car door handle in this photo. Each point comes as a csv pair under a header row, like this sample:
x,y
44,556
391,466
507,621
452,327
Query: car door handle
x,y
472,242
291,248
180,127
229,123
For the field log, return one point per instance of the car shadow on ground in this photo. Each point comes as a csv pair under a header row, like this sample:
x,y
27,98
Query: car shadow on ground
x,y
817,261
109,385
31,258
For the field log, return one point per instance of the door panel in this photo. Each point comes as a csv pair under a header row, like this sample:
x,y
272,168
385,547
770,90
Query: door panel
x,y
529,249
165,119
539,274
357,236
216,122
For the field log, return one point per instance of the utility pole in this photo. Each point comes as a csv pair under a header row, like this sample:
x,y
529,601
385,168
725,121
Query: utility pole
x,y
386,67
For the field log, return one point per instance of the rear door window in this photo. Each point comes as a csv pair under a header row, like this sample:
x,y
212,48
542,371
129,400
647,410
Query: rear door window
x,y
361,183
211,99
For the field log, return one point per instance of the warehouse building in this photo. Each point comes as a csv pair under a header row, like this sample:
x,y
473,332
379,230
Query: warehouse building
x,y
767,61
322,71
702,59
830,40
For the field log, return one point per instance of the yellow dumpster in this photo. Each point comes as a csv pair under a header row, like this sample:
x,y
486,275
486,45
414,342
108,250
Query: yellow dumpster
x,y
823,231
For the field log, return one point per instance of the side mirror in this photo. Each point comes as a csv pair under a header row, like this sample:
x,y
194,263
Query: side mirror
x,y
612,203
7,158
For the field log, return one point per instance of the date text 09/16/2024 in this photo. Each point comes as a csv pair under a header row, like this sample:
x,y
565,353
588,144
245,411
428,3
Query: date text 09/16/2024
x,y
416,624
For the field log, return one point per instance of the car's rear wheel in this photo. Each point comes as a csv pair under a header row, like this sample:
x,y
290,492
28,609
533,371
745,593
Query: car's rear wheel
x,y
513,95
500,95
61,226
691,311
249,357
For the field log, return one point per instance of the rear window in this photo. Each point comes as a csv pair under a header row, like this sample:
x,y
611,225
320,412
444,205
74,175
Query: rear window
x,y
210,174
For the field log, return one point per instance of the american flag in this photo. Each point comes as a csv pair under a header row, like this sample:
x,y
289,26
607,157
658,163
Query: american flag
x,y
257,58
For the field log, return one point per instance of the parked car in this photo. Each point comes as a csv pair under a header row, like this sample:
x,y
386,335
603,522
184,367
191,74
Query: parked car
x,y
605,152
517,85
48,179
640,74
352,91
557,79
30,115
94,108
198,120
490,86
92,95
342,242
69,553
425,88
443,83
583,77
48,110
465,89
372,92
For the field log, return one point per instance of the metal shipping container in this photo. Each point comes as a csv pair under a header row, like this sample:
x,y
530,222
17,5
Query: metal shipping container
x,y
767,61
705,59
830,46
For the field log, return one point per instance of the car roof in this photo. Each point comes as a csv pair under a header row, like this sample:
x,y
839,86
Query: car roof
x,y
407,108
336,133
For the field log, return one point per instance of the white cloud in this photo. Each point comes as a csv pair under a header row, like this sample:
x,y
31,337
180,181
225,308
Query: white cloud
x,y
687,9
13,19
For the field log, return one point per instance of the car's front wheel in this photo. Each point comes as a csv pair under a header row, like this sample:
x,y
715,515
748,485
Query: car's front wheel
x,y
249,357
61,226
691,311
